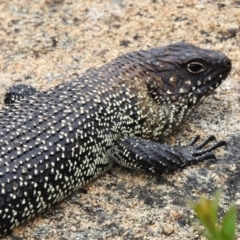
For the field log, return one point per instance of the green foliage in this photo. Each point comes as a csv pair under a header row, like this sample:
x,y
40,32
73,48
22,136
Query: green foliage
x,y
207,210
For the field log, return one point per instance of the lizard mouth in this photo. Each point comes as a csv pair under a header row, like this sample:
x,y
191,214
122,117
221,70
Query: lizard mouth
x,y
203,89
207,86
210,83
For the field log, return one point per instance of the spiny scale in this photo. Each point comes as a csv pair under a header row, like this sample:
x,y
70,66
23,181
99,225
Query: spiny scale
x,y
54,142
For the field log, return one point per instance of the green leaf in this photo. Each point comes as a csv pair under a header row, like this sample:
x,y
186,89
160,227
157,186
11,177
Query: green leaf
x,y
229,224
206,211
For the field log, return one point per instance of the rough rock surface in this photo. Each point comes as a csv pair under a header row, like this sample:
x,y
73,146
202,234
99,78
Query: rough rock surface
x,y
46,42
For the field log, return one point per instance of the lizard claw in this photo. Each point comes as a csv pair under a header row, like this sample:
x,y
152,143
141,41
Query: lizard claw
x,y
194,140
196,153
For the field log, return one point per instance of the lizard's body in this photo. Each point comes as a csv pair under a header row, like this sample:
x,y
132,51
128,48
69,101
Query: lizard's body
x,y
54,142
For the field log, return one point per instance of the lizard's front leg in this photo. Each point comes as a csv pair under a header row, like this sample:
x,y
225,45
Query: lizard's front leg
x,y
138,153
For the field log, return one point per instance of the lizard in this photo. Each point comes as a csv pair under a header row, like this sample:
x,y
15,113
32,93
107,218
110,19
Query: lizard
x,y
56,141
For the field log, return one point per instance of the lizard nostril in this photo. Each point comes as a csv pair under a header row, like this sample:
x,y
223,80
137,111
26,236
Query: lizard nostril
x,y
227,63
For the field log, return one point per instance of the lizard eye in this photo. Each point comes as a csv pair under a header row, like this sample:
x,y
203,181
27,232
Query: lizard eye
x,y
195,67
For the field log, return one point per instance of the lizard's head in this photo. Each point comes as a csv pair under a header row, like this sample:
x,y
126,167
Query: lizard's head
x,y
183,73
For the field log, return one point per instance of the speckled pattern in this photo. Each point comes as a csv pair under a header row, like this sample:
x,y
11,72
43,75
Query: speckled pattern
x,y
44,43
